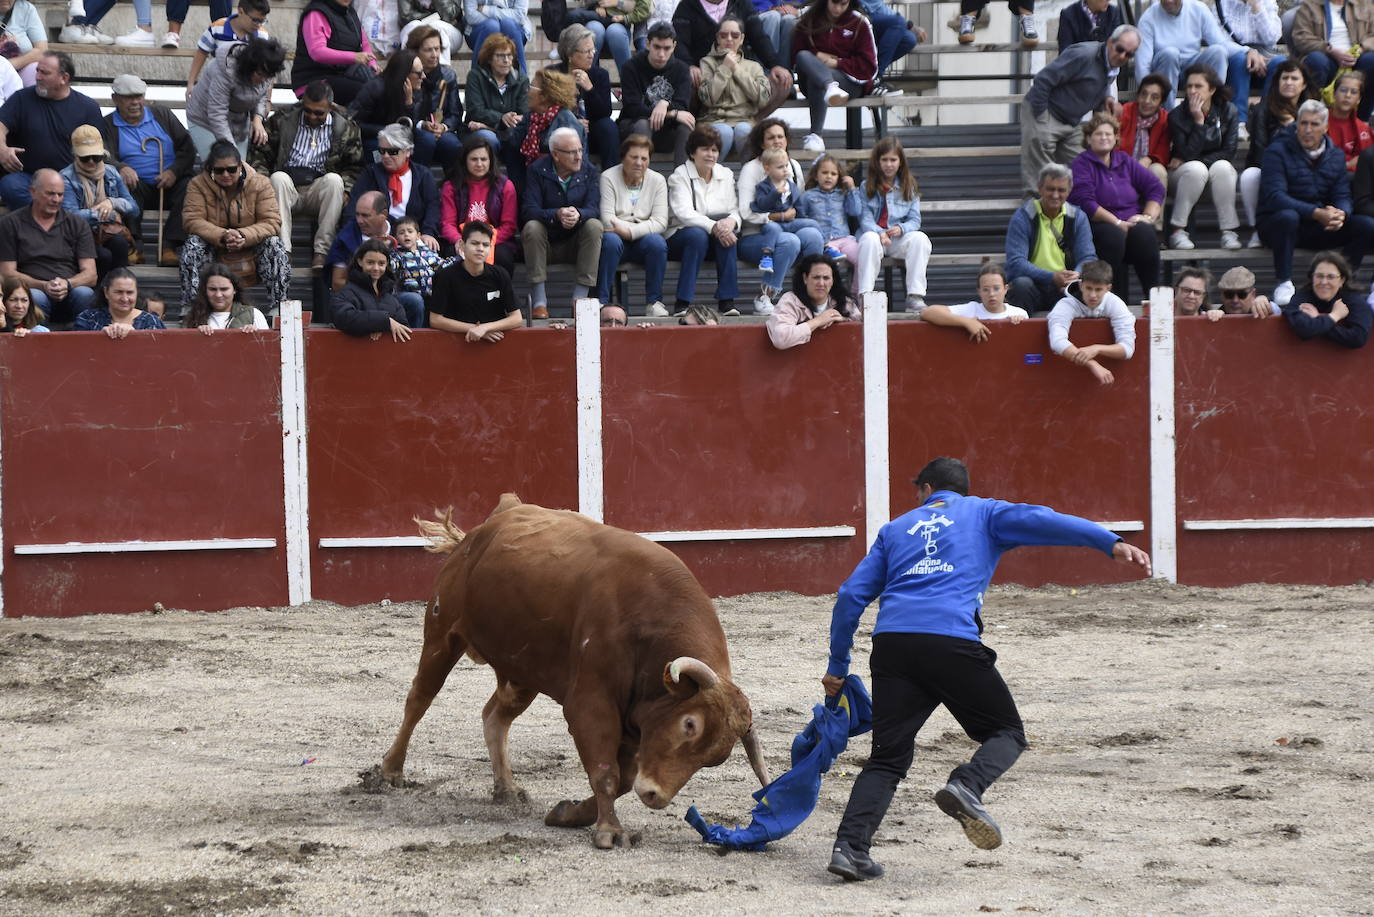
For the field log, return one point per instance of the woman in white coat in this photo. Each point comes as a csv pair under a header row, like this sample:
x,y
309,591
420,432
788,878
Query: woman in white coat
x,y
705,222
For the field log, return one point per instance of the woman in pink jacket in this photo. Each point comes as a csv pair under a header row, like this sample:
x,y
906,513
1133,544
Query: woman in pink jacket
x,y
835,58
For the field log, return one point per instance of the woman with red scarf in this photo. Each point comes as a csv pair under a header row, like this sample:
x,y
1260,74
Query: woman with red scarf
x,y
478,191
553,104
410,192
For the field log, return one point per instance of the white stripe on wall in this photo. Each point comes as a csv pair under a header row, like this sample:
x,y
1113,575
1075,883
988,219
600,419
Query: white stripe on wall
x,y
1225,525
1163,437
142,547
590,483
877,463
822,531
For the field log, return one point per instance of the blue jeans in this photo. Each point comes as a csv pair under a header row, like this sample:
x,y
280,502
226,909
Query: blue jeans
x,y
692,245
414,304
490,138
1170,63
1238,77
732,135
14,190
893,38
617,35
779,28
1323,70
786,251
78,300
431,149
1285,230
650,251
143,11
506,27
797,225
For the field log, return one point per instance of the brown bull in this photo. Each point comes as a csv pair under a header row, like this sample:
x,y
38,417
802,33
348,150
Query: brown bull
x,y
611,626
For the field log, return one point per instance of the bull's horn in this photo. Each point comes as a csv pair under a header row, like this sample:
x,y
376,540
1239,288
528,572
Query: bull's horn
x,y
754,749
696,670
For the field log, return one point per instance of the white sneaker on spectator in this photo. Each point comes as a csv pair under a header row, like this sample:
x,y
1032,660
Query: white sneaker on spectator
x,y
966,26
1029,37
915,303
1179,239
813,143
763,305
656,310
171,40
138,38
100,37
834,95
887,91
1242,132
1229,240
76,9
1254,240
76,34
1283,293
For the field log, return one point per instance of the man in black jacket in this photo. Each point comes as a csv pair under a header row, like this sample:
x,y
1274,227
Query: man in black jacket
x,y
657,92
154,155
696,35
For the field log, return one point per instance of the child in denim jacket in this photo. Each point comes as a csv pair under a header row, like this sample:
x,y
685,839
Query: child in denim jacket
x,y
829,201
413,262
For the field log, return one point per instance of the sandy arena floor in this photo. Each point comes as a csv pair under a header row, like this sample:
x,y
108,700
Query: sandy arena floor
x,y
1194,751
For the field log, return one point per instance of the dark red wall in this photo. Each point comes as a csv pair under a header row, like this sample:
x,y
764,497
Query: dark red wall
x,y
1032,428
161,436
1272,426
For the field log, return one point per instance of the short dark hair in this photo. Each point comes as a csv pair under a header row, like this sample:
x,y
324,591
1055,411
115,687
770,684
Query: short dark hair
x,y
944,473
256,6
475,227
1193,273
406,221
702,137
222,149
64,63
1160,82
318,91
993,267
1097,272
661,30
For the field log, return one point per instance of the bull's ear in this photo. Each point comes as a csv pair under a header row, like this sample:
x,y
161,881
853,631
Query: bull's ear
x,y
685,675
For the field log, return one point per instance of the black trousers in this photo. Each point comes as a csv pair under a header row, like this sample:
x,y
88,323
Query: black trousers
x,y
1138,248
912,675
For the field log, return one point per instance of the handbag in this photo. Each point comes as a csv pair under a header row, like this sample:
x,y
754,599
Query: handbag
x,y
302,175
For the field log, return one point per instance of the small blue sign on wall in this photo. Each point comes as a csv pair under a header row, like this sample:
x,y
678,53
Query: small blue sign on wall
x,y
1033,359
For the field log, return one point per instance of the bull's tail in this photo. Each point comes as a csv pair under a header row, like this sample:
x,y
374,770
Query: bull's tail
x,y
443,536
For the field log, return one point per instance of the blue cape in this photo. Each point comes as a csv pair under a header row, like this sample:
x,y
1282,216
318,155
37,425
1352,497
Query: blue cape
x,y
787,801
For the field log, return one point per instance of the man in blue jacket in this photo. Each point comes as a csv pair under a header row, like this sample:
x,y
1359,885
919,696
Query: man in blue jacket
x,y
1305,198
932,567
1048,241
561,210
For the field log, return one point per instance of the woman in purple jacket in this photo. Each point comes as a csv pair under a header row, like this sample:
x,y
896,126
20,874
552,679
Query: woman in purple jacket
x,y
1122,199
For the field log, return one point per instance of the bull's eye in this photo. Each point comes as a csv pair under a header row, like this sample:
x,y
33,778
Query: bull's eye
x,y
690,727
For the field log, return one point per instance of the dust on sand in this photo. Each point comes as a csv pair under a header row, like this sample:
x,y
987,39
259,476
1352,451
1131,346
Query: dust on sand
x,y
1192,751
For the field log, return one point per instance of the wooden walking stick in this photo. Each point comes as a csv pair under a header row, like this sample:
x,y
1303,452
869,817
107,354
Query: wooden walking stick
x,y
437,115
161,193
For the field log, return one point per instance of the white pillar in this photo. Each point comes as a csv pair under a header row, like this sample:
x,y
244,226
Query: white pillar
x,y
590,481
877,464
1163,437
295,481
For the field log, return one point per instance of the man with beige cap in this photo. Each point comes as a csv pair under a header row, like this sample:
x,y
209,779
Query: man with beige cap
x,y
154,154
1239,297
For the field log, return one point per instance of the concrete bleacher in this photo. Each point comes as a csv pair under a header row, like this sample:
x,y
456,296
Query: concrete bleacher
x,y
968,173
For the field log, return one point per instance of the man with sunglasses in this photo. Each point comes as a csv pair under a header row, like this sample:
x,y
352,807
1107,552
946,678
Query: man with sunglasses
x,y
1080,80
36,125
154,154
313,154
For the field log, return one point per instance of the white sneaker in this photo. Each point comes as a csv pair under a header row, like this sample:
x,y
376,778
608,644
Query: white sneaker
x,y
1254,241
76,9
966,26
1283,293
656,310
1029,36
76,34
915,303
1179,239
813,143
171,40
100,37
834,95
1242,133
136,39
763,305
1229,240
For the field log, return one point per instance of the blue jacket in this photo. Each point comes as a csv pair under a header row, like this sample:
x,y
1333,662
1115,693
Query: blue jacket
x,y
75,197
900,212
1352,331
831,209
1290,180
932,566
544,194
1022,237
423,205
768,199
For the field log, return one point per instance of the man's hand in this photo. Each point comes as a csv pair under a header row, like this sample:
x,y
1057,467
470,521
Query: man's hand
x,y
568,217
166,179
9,158
258,134
1259,307
130,177
1084,355
430,242
511,118
831,684
1255,62
1341,56
780,76
1064,278
1112,107
1130,554
58,288
658,115
483,333
1214,315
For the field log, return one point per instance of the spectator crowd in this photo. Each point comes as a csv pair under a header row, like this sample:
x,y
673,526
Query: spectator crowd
x,y
541,165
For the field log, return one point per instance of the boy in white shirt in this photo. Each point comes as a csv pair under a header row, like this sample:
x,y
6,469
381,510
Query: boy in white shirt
x,y
1092,297
991,305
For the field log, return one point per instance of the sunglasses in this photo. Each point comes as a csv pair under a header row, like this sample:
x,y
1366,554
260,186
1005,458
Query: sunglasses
x,y
92,159
388,151
224,170
1120,49
1234,294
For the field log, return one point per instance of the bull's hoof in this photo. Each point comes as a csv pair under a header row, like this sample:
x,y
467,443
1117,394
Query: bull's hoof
x,y
607,838
569,814
510,796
